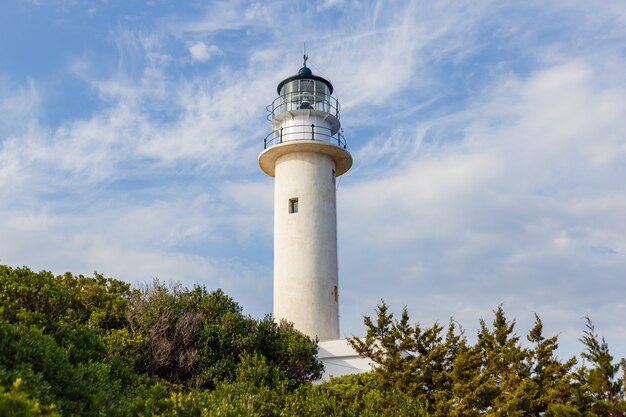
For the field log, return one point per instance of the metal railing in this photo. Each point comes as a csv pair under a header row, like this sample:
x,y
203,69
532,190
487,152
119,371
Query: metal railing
x,y
303,100
305,132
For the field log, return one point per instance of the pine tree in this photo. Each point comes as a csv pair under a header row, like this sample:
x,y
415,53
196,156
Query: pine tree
x,y
495,377
602,393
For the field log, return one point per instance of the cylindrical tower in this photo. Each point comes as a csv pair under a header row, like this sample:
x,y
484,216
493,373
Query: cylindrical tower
x,y
304,153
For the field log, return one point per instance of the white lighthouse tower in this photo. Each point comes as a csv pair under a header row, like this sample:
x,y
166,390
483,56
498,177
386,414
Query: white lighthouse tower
x,y
305,153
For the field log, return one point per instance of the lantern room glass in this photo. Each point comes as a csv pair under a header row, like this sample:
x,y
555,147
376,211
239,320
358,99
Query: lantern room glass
x,y
305,94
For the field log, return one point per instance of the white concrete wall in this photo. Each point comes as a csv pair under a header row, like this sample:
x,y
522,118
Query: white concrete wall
x,y
305,244
339,359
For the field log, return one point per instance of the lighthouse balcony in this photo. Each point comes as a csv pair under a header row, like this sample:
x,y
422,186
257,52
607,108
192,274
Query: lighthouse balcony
x,y
305,132
303,100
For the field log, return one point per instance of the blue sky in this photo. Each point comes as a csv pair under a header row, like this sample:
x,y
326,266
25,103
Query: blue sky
x,y
488,139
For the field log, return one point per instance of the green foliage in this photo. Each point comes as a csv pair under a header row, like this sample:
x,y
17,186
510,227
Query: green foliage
x,y
197,338
361,395
92,346
496,376
601,393
351,389
261,389
75,310
552,382
45,369
54,302
17,403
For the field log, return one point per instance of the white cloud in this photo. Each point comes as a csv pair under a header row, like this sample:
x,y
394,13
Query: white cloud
x,y
20,107
327,4
201,52
516,209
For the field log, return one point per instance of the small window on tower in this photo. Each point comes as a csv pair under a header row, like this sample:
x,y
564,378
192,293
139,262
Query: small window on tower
x,y
293,205
334,176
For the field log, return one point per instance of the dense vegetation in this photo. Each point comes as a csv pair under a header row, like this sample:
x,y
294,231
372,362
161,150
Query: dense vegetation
x,y
94,346
497,376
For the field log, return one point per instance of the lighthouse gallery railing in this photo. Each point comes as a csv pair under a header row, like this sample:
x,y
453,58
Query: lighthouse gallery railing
x,y
305,132
304,100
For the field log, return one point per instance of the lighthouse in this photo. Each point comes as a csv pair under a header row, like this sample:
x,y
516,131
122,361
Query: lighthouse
x,y
305,153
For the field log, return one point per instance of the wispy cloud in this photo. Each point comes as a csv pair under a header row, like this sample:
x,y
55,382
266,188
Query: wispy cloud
x,y
500,210
20,106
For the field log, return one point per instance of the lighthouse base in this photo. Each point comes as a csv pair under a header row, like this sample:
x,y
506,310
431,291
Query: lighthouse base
x,y
339,359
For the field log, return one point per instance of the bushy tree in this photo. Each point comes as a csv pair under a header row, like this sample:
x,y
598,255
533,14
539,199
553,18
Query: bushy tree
x,y
197,338
496,376
362,395
47,374
77,311
92,346
16,403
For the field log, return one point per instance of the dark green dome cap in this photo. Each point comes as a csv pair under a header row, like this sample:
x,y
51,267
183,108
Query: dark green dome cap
x,y
305,73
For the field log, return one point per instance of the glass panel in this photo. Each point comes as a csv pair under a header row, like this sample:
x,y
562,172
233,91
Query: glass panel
x,y
288,87
307,86
307,94
288,96
321,88
304,94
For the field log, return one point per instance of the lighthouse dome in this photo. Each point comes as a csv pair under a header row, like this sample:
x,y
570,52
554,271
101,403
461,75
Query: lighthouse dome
x,y
311,81
305,71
